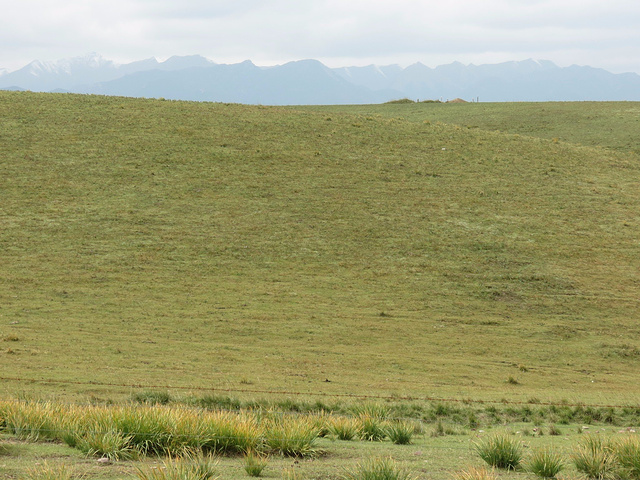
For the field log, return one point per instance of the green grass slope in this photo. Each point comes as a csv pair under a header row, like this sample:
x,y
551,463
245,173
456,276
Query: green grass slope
x,y
210,245
613,125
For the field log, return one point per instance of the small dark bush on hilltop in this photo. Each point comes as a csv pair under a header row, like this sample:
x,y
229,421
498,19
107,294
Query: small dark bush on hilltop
x,y
399,101
408,100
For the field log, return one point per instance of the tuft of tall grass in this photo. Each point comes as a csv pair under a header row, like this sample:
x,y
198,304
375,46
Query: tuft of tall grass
x,y
32,421
595,458
185,467
372,429
111,444
344,428
213,432
189,432
72,427
148,427
235,433
255,463
400,432
475,473
545,463
292,474
292,436
627,452
371,409
500,451
321,419
384,468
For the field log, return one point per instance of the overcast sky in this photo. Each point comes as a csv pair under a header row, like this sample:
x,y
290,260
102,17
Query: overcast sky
x,y
602,33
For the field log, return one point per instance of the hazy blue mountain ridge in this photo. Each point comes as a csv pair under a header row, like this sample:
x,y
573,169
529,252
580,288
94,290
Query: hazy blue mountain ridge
x,y
303,82
310,82
69,74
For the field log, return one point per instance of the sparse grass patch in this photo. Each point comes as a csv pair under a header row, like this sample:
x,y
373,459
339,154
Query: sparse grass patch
x,y
48,471
255,463
4,448
475,473
554,431
214,402
441,429
377,469
185,467
292,473
438,430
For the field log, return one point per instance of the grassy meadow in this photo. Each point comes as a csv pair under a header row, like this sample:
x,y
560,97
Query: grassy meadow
x,y
472,252
208,245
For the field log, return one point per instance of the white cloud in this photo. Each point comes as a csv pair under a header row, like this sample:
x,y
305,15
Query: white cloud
x,y
603,34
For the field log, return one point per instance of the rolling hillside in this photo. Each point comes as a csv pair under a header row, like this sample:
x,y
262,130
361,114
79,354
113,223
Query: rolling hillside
x,y
260,248
611,125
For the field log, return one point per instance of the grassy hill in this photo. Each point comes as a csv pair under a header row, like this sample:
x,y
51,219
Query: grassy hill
x,y
242,247
612,125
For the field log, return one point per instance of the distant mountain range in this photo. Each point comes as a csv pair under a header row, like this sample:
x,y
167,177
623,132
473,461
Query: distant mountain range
x,y
310,82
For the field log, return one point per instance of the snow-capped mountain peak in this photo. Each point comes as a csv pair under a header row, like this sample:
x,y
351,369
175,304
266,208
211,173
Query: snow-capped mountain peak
x,y
69,66
37,67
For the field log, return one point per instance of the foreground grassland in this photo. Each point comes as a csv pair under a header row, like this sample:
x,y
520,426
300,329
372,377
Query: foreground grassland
x,y
133,441
198,245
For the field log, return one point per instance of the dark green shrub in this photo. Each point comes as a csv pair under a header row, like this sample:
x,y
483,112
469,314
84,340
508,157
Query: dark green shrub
x,y
555,431
215,402
400,101
152,398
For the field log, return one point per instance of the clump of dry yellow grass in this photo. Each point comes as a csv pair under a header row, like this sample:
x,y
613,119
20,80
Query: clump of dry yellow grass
x,y
126,431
